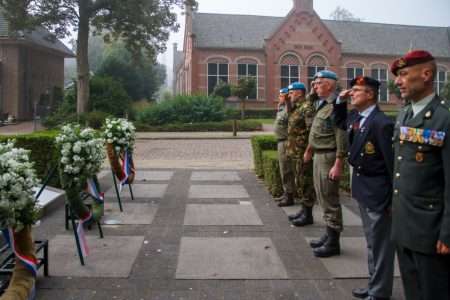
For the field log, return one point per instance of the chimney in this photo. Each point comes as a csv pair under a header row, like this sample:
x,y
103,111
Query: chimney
x,y
304,5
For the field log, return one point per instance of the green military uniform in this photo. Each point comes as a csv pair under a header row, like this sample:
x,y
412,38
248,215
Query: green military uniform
x,y
421,201
328,141
281,134
300,121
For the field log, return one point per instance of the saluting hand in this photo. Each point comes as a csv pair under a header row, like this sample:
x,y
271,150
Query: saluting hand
x,y
345,94
442,248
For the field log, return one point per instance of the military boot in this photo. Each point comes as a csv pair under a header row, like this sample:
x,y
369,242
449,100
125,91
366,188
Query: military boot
x,y
288,201
297,215
319,242
305,219
281,198
331,246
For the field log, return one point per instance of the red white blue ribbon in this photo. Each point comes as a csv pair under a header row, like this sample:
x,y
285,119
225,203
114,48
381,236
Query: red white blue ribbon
x,y
82,235
127,168
30,262
92,190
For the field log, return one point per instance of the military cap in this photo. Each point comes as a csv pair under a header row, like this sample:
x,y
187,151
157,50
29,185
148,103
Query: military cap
x,y
326,74
411,58
284,91
367,81
297,86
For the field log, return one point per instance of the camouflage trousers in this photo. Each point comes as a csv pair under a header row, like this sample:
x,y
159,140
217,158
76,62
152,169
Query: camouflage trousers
x,y
327,191
286,170
304,183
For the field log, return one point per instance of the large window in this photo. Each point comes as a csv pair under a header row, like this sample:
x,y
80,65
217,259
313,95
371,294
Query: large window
x,y
217,72
290,70
441,79
315,64
249,69
352,71
380,73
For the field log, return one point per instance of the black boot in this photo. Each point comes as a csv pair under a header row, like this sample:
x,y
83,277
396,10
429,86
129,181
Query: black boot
x,y
305,219
297,215
281,198
319,242
331,246
288,201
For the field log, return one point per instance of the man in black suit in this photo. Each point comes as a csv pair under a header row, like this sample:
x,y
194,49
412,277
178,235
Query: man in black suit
x,y
421,201
371,155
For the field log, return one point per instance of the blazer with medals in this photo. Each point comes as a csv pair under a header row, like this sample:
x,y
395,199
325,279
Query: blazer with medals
x,y
372,157
421,201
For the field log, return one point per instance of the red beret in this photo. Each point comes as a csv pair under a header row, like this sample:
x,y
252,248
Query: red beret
x,y
411,58
365,80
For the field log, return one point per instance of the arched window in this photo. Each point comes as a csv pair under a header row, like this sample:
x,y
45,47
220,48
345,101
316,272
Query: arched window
x,y
315,64
380,73
441,79
217,71
248,68
353,70
290,70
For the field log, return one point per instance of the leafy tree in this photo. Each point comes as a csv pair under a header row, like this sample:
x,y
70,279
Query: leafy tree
x,y
445,92
140,24
342,14
243,90
222,89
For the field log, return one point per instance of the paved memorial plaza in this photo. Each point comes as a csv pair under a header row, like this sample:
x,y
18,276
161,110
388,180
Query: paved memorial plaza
x,y
199,230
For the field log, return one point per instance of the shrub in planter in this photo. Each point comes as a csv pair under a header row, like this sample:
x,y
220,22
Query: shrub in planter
x,y
259,144
272,177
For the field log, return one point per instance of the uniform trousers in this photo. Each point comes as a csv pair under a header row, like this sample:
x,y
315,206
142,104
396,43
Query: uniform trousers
x,y
327,191
424,276
380,250
286,168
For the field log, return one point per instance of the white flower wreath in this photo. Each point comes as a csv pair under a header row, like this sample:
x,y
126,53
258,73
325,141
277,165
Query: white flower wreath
x,y
82,153
18,206
120,133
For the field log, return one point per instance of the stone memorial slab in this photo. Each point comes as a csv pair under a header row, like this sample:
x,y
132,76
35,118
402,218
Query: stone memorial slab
x,y
217,191
221,214
103,173
229,258
133,213
215,176
140,190
153,175
352,263
112,256
350,218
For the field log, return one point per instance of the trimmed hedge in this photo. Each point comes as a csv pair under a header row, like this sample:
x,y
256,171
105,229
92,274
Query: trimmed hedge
x,y
259,144
43,151
262,113
272,177
246,125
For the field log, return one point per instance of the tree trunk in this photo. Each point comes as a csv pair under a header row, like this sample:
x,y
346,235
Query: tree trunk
x,y
82,58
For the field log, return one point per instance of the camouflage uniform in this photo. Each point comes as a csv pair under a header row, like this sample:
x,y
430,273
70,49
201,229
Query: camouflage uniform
x,y
281,134
300,121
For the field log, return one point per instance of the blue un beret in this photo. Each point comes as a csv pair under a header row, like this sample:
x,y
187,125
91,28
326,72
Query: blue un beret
x,y
326,74
297,86
284,91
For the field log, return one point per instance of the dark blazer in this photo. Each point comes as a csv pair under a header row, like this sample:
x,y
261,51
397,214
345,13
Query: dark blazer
x,y
421,201
372,157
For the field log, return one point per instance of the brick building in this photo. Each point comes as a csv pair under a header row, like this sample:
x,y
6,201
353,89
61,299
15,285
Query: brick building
x,y
280,50
31,65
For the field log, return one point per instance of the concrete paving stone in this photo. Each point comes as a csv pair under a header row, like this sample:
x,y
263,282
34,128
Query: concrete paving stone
x,y
153,175
112,256
218,191
222,214
229,258
215,176
140,190
350,218
133,213
352,263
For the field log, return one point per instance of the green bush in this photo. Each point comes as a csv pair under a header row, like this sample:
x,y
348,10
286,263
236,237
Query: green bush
x,y
262,113
43,151
246,125
259,144
272,177
184,109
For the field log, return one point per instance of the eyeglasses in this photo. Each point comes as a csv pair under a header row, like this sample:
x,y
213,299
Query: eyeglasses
x,y
359,90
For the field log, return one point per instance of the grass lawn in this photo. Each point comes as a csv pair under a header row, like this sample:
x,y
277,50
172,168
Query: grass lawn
x,y
264,121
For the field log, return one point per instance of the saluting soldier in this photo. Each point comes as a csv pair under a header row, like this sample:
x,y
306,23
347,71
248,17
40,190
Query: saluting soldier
x,y
372,157
300,121
421,201
327,141
281,134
